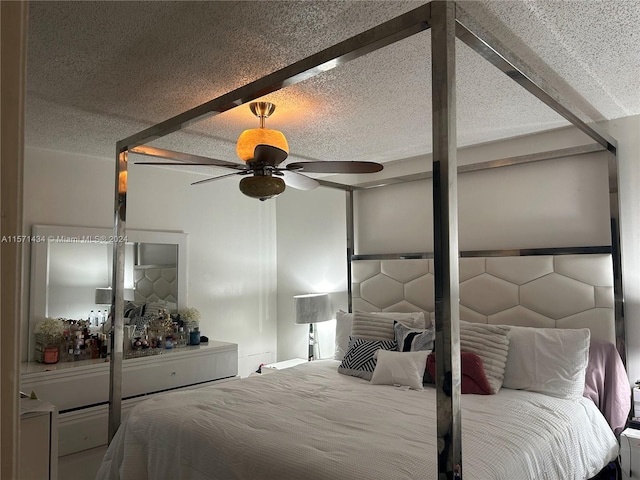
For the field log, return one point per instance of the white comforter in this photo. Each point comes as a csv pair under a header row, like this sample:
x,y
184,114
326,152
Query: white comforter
x,y
310,422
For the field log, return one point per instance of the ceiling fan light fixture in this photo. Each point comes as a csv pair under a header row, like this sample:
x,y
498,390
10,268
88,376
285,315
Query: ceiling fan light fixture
x,y
264,150
262,187
250,139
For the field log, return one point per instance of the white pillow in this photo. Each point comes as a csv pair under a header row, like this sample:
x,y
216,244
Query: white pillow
x,y
343,331
491,344
552,361
344,322
400,368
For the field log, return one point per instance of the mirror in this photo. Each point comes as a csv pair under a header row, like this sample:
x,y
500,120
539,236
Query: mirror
x,y
72,266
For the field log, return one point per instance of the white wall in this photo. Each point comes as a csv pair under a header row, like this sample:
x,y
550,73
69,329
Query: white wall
x,y
231,238
312,255
627,132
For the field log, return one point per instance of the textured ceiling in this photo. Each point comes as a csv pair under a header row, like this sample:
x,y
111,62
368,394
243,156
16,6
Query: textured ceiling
x,y
101,71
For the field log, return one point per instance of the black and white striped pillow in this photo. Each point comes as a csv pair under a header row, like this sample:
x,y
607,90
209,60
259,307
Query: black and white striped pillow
x,y
359,360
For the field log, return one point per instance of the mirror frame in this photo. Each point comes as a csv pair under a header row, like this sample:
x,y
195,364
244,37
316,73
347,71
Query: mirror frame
x,y
44,234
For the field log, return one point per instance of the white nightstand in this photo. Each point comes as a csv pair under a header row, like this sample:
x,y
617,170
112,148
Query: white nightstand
x,y
630,453
272,367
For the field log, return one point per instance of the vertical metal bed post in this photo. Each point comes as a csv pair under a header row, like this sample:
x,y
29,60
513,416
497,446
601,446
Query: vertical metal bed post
x,y
117,290
350,247
616,254
445,239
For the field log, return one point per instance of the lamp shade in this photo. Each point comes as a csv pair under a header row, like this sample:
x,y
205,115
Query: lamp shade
x,y
103,295
312,308
249,139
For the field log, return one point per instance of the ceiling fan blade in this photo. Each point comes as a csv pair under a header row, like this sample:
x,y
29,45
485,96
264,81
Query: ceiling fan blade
x,y
200,182
269,155
335,167
184,158
297,180
180,164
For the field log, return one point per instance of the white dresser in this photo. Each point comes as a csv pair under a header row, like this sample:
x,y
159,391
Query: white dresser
x,y
80,390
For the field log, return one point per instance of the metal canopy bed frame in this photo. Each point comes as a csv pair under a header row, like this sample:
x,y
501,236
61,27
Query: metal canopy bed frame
x,y
446,20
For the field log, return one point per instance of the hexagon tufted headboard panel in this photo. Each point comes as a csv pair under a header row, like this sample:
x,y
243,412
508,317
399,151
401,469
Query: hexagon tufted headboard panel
x,y
552,291
155,283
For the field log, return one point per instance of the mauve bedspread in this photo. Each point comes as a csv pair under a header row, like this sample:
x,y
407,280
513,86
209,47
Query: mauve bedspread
x,y
607,384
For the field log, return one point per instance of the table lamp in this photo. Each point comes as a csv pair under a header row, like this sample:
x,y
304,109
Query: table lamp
x,y
103,295
312,308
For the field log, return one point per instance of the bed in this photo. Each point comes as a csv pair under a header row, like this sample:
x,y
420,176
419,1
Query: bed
x,y
520,301
313,422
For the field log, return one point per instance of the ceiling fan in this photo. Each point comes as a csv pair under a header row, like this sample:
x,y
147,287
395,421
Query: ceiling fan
x,y
263,150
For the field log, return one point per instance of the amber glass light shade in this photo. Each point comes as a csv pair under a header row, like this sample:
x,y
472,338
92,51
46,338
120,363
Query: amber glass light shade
x,y
262,186
249,139
122,182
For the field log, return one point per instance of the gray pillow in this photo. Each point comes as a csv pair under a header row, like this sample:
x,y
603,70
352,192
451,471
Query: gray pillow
x,y
413,339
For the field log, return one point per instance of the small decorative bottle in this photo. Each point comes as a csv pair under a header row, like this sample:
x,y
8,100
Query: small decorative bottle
x,y
194,336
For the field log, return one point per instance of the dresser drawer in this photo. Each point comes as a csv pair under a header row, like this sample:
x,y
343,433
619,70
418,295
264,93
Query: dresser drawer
x,y
67,387
142,376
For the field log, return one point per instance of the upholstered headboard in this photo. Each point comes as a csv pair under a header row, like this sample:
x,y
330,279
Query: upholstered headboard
x,y
155,283
553,291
